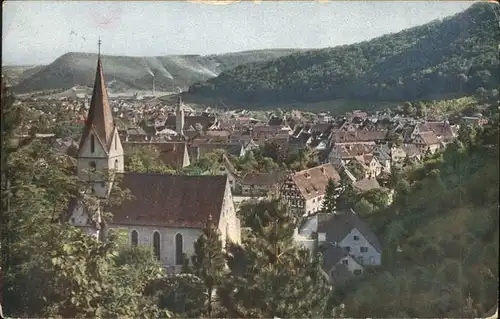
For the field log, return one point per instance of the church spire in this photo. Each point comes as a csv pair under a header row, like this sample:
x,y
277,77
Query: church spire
x,y
100,118
99,48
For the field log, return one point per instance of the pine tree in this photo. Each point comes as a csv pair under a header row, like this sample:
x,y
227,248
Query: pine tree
x,y
331,193
209,263
271,276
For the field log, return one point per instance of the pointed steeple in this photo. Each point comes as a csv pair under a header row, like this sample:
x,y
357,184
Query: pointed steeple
x,y
100,118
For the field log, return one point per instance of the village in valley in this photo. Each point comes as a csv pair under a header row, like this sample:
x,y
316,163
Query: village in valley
x,y
299,155
247,185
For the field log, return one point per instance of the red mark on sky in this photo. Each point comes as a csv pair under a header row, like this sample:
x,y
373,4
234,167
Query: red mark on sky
x,y
107,18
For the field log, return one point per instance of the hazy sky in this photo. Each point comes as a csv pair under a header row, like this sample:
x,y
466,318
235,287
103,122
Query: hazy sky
x,y
37,32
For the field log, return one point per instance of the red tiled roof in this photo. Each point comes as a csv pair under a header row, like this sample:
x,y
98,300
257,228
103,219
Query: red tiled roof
x,y
429,138
312,182
358,136
350,150
170,200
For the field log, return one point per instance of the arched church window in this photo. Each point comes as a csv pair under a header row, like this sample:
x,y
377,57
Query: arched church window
x,y
92,143
178,249
156,244
116,164
93,166
134,238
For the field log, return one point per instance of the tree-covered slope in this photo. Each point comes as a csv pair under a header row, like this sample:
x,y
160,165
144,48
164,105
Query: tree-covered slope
x,y
454,56
127,72
440,237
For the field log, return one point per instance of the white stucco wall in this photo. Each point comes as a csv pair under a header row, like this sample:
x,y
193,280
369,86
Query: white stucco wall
x,y
372,255
314,204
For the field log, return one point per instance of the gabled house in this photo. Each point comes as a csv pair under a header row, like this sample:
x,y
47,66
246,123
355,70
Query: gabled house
x,y
370,165
230,171
304,191
383,155
338,265
427,141
349,241
259,184
343,153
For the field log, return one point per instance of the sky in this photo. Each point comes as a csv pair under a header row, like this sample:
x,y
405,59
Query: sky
x,y
38,32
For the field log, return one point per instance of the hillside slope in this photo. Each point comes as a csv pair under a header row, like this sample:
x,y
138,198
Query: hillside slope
x,y
453,56
134,72
16,73
440,237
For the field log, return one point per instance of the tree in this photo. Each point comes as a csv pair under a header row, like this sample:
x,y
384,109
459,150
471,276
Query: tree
x,y
331,194
53,269
145,159
90,282
271,276
209,262
183,294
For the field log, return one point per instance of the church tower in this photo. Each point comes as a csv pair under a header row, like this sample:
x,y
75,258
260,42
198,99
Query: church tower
x,y
179,117
100,152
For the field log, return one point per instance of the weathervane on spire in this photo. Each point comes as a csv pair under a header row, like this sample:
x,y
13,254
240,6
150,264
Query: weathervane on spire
x,y
99,46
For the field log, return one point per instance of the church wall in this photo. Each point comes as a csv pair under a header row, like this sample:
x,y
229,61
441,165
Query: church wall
x,y
229,223
167,240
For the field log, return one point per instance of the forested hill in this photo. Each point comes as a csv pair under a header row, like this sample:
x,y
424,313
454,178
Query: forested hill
x,y
454,56
126,72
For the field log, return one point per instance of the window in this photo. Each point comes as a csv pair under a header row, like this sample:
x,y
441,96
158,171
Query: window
x,y
345,262
156,244
363,249
116,164
372,260
357,272
92,143
116,142
93,166
356,237
347,248
360,259
134,238
178,249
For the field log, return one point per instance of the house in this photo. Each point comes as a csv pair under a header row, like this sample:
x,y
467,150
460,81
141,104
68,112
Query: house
x,y
347,243
383,155
304,191
370,165
347,230
343,153
166,212
230,171
258,184
427,141
179,122
359,246
338,265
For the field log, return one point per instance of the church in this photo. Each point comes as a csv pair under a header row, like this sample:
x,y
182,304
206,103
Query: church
x,y
165,212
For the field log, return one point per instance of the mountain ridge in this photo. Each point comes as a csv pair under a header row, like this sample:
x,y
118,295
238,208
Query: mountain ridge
x,y
130,72
453,56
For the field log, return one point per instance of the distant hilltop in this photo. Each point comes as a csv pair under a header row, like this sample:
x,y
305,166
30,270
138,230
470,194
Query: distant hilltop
x,y
131,73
